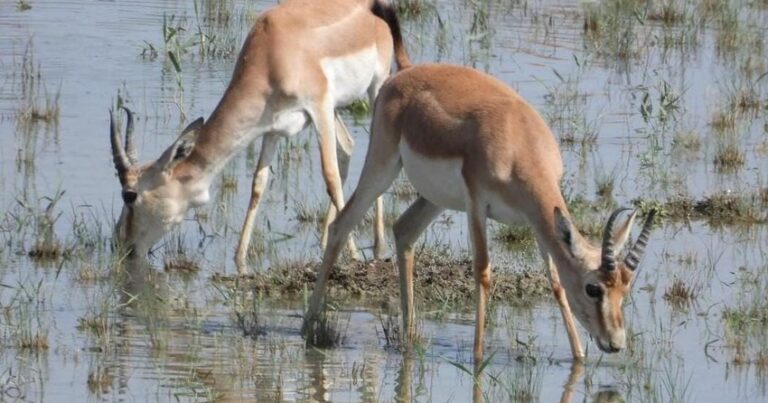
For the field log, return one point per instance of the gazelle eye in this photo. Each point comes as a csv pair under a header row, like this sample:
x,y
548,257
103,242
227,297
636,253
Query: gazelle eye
x,y
594,291
129,196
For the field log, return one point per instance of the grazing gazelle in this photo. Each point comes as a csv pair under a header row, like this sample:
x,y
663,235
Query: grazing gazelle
x,y
470,143
300,61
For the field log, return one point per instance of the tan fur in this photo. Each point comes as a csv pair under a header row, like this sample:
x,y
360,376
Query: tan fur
x,y
509,162
280,82
280,60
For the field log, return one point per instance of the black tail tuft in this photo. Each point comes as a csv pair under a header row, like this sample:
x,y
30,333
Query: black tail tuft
x,y
386,12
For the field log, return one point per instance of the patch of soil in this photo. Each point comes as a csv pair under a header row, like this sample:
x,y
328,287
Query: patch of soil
x,y
437,280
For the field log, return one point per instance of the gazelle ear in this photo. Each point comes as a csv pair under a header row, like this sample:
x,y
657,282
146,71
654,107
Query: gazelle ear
x,y
621,234
568,235
182,147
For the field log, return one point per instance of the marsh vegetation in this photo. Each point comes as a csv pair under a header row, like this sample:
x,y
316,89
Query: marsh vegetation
x,y
656,104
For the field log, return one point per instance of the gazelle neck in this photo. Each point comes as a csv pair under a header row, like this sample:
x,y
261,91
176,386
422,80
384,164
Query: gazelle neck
x,y
229,129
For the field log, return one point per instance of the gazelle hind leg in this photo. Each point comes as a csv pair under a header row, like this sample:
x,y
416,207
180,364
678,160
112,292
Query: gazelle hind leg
x,y
379,237
260,179
344,147
380,170
325,122
565,308
407,230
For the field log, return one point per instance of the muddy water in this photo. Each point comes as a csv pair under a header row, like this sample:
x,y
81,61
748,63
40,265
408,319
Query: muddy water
x,y
173,336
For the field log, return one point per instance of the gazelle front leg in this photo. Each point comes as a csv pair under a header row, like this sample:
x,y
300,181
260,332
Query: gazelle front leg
x,y
407,230
260,179
325,124
344,147
477,216
565,308
380,170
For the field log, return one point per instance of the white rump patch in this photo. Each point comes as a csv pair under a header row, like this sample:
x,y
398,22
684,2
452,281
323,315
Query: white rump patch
x,y
350,76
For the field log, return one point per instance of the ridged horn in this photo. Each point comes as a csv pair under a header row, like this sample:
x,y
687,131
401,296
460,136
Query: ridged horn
x,y
608,261
122,164
636,253
130,146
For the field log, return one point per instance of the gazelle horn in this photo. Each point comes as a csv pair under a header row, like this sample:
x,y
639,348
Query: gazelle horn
x,y
122,164
130,146
636,253
608,261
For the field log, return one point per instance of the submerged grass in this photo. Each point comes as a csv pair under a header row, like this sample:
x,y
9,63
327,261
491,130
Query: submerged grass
x,y
36,103
729,158
409,9
725,208
177,260
746,320
439,279
680,293
329,330
46,246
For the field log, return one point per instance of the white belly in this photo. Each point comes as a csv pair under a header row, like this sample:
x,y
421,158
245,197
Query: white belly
x,y
437,180
440,181
350,76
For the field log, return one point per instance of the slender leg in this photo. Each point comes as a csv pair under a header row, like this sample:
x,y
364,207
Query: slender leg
x,y
481,263
577,369
379,241
477,386
565,308
344,147
404,381
260,179
380,170
407,230
325,123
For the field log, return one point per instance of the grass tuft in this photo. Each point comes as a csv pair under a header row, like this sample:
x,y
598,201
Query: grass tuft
x,y
680,294
37,104
729,158
328,330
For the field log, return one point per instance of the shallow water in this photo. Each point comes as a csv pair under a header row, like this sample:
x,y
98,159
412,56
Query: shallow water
x,y
173,337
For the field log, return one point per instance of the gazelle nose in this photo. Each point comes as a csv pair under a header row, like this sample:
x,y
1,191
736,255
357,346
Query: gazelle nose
x,y
618,345
618,341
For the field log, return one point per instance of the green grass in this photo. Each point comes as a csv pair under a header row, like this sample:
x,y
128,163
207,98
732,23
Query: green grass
x,y
37,102
329,330
746,319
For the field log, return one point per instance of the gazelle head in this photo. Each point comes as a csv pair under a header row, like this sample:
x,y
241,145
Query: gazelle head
x,y
597,293
155,198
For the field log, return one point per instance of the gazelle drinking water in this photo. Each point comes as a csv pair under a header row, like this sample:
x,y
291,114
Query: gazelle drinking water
x,y
300,61
469,143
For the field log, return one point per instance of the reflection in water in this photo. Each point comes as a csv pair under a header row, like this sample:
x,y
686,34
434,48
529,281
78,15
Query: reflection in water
x,y
404,384
171,340
603,396
607,396
577,370
320,384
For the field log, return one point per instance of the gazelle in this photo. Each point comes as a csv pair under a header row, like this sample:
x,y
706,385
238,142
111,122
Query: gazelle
x,y
300,61
470,143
